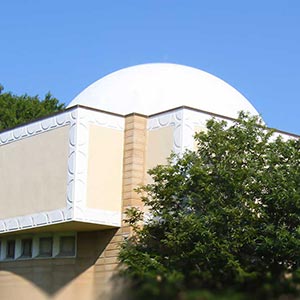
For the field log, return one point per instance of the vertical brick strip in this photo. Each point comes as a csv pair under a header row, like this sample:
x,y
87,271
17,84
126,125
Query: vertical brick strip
x,y
134,167
134,175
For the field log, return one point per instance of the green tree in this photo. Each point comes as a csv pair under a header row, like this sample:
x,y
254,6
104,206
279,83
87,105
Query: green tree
x,y
225,219
16,110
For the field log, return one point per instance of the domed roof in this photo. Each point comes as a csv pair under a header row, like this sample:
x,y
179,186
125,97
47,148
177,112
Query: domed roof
x,y
152,88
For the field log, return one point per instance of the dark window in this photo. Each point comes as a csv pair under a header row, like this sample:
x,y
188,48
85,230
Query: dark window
x,y
26,248
67,246
45,246
10,249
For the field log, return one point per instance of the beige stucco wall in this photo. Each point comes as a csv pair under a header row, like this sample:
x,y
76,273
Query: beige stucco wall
x,y
33,173
105,161
160,146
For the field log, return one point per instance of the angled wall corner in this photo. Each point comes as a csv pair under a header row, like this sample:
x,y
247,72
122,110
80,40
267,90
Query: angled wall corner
x,y
96,153
45,171
34,164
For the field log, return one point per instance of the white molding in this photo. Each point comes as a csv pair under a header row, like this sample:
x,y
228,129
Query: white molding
x,y
97,216
34,220
78,119
184,121
37,127
191,120
78,156
169,119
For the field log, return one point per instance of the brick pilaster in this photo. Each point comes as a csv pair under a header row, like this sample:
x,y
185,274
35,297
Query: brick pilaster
x,y
134,175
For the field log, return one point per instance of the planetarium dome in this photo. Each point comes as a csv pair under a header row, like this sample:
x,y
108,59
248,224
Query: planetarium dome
x,y
152,88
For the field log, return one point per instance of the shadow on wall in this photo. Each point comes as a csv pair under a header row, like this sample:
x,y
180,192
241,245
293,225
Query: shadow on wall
x,y
51,275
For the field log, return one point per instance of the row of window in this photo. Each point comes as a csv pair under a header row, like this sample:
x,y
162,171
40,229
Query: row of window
x,y
38,246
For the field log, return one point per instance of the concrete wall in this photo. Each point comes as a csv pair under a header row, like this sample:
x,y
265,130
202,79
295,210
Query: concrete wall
x,y
33,174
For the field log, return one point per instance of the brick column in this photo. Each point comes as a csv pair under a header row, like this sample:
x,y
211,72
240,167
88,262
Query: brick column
x,y
134,167
134,175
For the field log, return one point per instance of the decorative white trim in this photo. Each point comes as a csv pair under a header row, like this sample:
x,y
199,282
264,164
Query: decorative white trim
x,y
79,119
184,121
37,127
34,220
168,119
97,216
191,120
78,156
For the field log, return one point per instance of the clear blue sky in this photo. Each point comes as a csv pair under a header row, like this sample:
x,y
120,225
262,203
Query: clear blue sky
x,y
62,46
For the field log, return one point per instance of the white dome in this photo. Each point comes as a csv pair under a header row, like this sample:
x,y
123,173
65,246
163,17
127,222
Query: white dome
x,y
152,88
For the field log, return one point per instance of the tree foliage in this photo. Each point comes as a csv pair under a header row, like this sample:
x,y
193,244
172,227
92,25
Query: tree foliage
x,y
225,219
16,110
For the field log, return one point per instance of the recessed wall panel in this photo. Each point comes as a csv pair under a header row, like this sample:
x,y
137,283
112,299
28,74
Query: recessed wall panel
x,y
33,173
105,165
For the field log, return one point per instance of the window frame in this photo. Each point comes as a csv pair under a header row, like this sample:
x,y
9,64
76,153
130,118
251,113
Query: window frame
x,y
8,242
66,254
26,239
40,255
35,246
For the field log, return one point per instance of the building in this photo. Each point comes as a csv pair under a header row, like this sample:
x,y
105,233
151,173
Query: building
x,y
66,180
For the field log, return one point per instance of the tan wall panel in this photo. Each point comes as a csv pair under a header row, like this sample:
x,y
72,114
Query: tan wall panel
x,y
33,174
160,146
104,181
